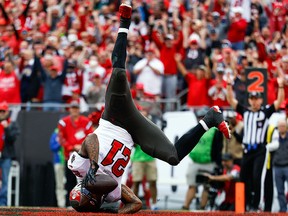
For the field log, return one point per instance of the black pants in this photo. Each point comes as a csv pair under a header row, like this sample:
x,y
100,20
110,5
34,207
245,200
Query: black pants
x,y
121,111
250,174
268,190
227,207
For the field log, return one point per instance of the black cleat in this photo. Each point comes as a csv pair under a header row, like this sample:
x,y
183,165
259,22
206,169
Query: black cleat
x,y
214,118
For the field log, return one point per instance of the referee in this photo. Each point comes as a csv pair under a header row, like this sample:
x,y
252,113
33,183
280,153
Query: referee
x,y
256,123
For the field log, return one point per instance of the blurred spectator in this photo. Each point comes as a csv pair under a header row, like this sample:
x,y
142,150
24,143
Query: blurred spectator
x,y
272,58
217,90
276,11
77,96
258,19
234,145
73,80
216,27
135,54
105,62
239,86
144,167
9,83
272,145
53,14
96,92
5,47
90,70
219,6
280,164
284,69
30,79
227,59
72,131
198,82
9,131
95,116
213,43
168,47
231,174
52,82
237,28
59,169
149,71
194,54
245,5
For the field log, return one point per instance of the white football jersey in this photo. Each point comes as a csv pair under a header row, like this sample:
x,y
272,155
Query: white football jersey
x,y
115,146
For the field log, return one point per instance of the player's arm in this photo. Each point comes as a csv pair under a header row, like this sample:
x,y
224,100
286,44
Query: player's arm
x,y
90,149
131,203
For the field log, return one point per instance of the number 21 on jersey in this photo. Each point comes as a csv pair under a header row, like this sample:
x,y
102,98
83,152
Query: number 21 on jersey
x,y
118,162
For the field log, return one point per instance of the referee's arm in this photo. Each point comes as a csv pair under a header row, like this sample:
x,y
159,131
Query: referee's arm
x,y
281,93
230,94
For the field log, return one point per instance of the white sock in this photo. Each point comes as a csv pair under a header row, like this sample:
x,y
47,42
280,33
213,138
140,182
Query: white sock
x,y
204,125
123,30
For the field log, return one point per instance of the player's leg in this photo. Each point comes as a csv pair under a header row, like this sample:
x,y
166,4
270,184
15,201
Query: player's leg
x,y
213,118
120,108
118,97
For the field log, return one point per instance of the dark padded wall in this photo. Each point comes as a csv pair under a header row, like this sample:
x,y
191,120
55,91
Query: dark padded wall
x,y
37,186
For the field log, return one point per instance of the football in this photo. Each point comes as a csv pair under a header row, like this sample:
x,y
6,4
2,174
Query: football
x,y
104,184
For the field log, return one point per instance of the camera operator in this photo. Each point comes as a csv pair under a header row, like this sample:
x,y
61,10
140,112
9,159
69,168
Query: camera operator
x,y
230,176
205,156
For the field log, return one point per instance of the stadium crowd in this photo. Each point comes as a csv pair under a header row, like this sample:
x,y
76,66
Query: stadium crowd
x,y
51,50
55,52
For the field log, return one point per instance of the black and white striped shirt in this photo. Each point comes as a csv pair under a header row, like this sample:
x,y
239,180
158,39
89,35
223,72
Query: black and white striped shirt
x,y
255,124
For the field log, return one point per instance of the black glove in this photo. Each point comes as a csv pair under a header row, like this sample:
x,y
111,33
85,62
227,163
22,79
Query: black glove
x,y
90,179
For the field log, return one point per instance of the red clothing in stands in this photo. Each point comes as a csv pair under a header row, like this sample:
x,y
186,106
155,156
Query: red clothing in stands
x,y
218,95
73,133
197,91
262,54
276,15
237,31
219,8
272,90
167,53
9,88
272,68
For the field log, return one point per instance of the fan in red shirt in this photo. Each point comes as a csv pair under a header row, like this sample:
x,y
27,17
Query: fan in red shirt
x,y
168,46
217,91
276,11
19,23
198,84
219,6
9,84
237,29
72,131
271,59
